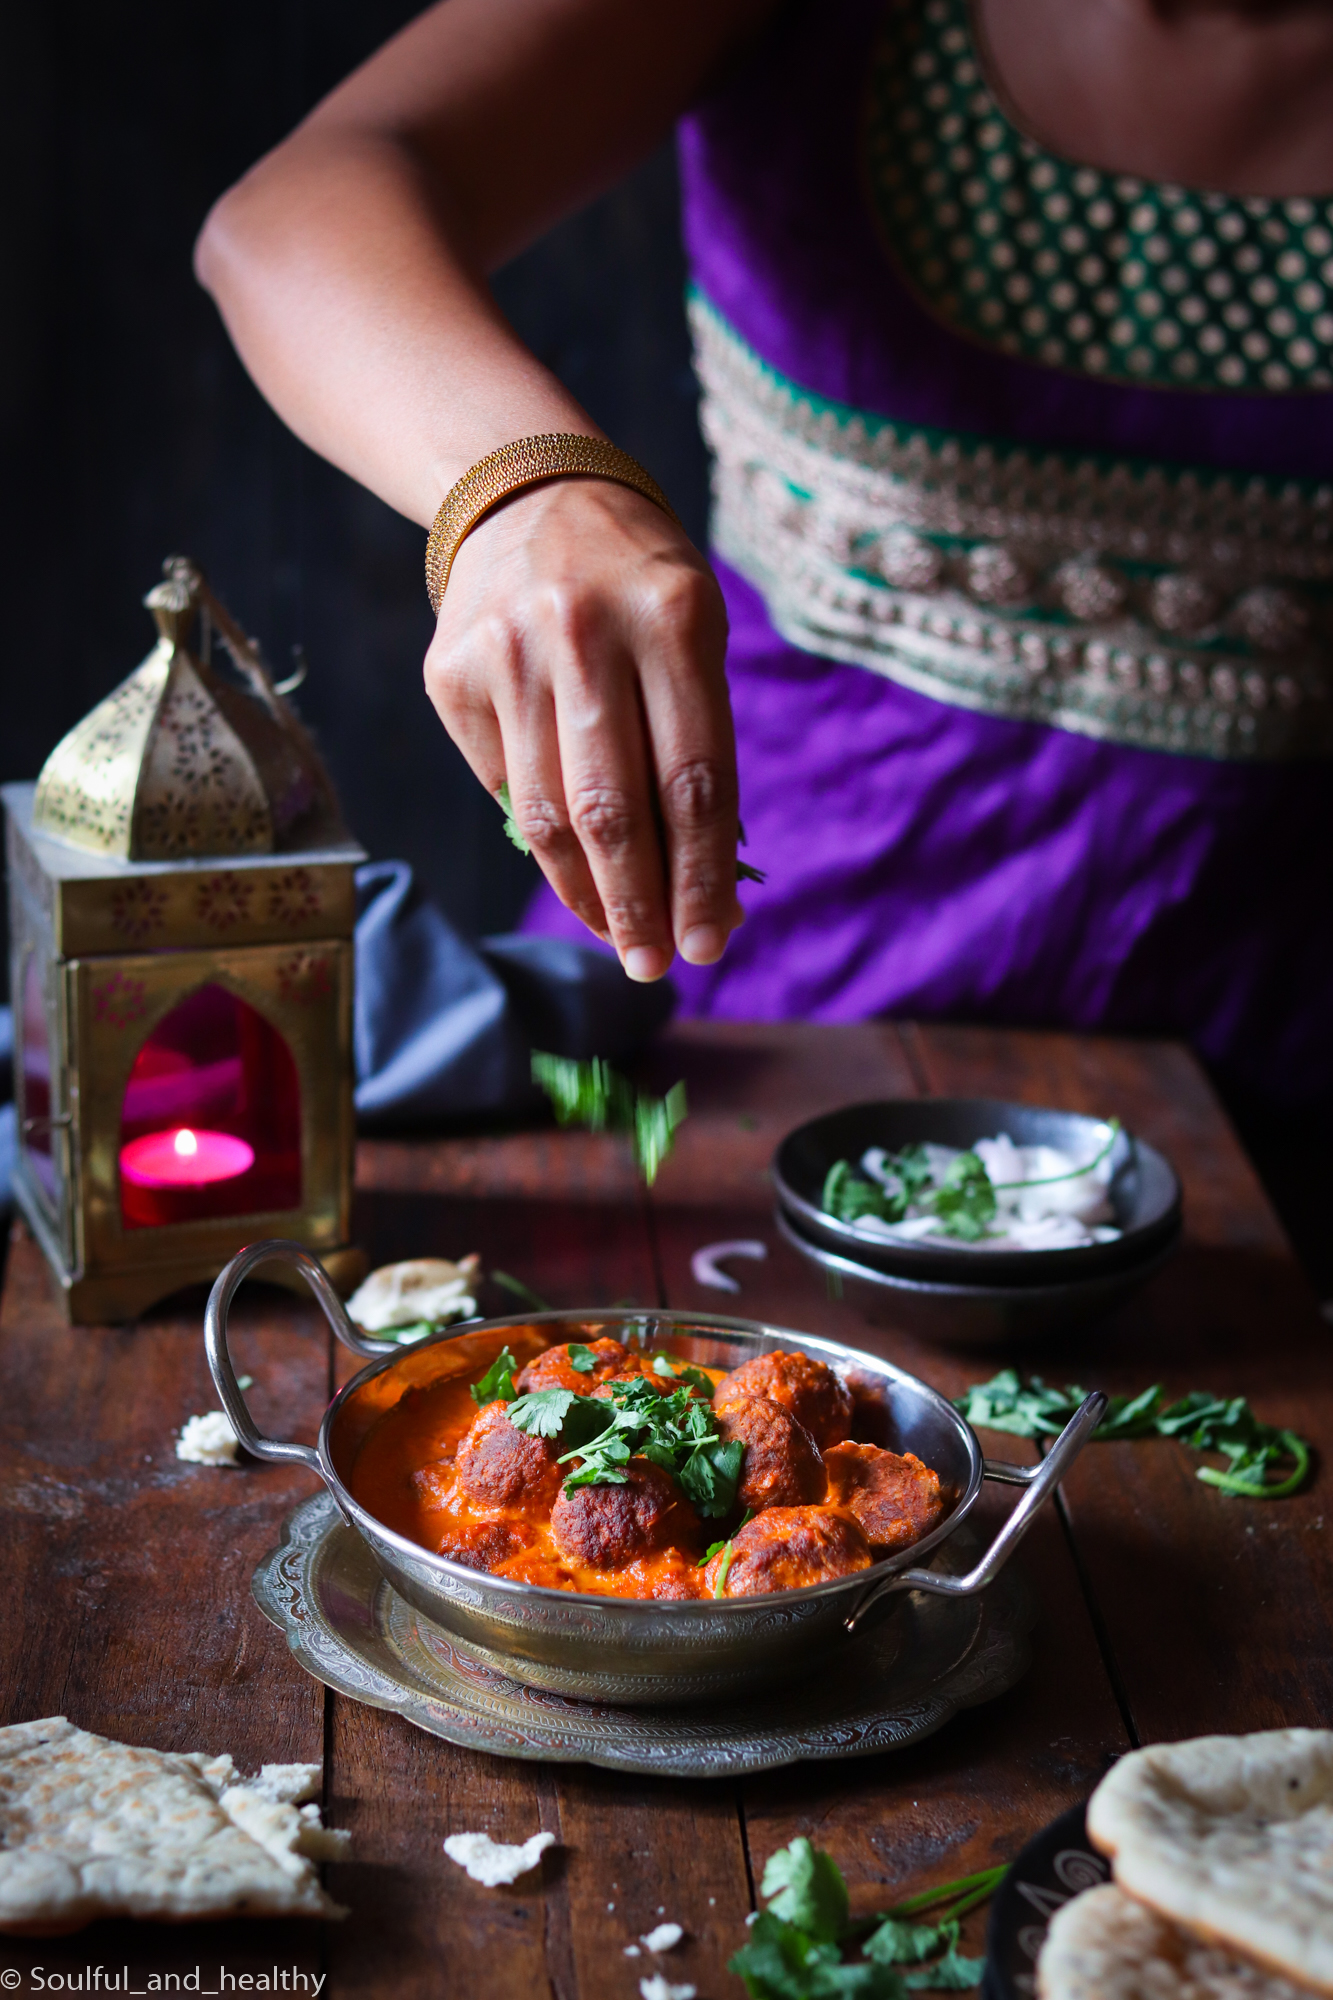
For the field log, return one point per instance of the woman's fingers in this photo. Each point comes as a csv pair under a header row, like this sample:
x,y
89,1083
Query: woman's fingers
x,y
501,714
579,656
608,783
681,635
537,794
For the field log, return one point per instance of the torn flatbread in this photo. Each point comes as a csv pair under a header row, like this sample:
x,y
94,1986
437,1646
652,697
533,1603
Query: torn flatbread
x,y
1105,1946
92,1828
1232,1838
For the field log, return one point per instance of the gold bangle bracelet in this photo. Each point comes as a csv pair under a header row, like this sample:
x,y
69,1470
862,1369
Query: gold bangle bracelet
x,y
526,462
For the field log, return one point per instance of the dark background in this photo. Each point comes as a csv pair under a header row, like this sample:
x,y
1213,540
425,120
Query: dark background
x,y
131,431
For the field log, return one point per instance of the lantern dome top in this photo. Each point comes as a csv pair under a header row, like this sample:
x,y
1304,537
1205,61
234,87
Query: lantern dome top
x,y
184,760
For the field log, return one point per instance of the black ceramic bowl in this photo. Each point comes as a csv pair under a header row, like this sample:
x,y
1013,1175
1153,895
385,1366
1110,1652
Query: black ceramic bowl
x,y
1057,1864
977,1315
1144,1192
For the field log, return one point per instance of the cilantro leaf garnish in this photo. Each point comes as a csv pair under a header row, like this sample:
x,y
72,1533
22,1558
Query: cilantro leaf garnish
x,y
497,1384
581,1359
965,1202
597,1096
804,1886
680,1371
633,1419
1253,1450
542,1412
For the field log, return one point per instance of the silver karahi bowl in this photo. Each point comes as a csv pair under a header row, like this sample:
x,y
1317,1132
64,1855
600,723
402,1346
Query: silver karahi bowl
x,y
620,1650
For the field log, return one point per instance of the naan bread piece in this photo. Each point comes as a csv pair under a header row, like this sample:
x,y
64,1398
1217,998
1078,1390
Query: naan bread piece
x,y
1232,1838
1105,1946
424,1288
93,1828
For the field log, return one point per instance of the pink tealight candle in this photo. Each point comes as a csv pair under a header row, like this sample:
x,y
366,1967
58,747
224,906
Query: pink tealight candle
x,y
185,1158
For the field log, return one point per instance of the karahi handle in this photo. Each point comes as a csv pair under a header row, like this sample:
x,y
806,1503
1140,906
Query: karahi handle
x,y
274,1250
1038,1481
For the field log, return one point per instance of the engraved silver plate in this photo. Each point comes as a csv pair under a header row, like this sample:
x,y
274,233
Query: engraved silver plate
x,y
893,1686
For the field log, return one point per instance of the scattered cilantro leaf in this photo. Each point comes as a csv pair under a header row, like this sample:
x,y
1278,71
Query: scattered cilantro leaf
x,y
512,830
795,1947
1253,1450
900,1943
951,1974
781,1962
804,1886
597,1096
497,1384
723,1570
581,1359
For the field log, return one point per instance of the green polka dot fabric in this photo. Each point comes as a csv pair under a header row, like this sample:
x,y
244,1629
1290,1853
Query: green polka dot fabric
x,y
1097,273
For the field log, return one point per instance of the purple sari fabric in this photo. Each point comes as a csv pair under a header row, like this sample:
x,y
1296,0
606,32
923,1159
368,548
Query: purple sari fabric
x,y
923,858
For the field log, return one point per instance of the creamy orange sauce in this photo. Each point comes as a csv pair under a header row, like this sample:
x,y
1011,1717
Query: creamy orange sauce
x,y
403,1475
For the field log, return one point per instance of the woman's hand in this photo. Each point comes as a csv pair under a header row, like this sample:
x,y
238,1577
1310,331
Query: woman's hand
x,y
579,657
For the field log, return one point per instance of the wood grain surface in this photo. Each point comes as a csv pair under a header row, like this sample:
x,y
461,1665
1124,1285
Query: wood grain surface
x,y
1165,1607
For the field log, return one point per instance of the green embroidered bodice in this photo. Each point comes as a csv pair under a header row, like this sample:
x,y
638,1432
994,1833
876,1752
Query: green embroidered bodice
x,y
1097,273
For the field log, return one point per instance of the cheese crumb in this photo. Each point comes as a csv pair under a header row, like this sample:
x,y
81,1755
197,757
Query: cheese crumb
x,y
665,1938
208,1440
632,1951
491,1862
658,1988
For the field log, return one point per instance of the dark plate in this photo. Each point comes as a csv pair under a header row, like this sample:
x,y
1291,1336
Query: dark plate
x,y
978,1315
1055,1866
1144,1191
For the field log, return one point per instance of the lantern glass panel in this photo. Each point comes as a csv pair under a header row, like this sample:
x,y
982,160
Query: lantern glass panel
x,y
211,1118
37,1134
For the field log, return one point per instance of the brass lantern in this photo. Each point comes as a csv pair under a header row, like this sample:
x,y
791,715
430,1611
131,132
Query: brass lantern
x,y
181,907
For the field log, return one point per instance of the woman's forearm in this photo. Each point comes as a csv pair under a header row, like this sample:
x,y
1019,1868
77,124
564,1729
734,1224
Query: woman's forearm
x,y
362,324
579,650
350,264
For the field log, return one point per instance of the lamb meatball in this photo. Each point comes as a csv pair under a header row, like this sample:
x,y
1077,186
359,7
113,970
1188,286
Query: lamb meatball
x,y
500,1467
553,1369
785,1548
481,1545
608,1527
781,1467
815,1396
896,1499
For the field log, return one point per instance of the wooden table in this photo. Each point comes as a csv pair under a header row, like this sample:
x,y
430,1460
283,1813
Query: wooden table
x,y
1167,1609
